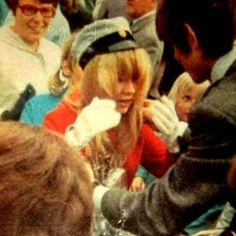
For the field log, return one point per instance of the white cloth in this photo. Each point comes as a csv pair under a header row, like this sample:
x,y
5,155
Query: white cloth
x,y
163,115
19,66
100,115
98,194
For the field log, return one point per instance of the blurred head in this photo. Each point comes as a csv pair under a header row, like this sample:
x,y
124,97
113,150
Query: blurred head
x,y
32,18
138,8
185,93
192,27
45,188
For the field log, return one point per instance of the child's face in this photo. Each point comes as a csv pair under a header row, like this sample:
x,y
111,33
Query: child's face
x,y
185,102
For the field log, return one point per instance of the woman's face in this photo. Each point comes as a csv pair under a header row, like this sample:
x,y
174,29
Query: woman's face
x,y
125,91
31,24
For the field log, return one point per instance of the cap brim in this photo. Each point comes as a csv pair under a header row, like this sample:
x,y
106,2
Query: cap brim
x,y
123,45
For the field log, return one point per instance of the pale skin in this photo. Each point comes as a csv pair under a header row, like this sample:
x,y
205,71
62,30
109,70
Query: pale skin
x,y
186,101
31,28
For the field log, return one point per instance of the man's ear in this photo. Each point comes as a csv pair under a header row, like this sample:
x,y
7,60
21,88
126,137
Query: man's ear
x,y
192,37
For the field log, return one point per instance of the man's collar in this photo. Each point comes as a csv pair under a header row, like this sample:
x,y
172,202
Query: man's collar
x,y
222,64
144,16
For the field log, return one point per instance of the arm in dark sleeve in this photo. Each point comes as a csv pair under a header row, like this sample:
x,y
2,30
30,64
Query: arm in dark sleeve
x,y
190,187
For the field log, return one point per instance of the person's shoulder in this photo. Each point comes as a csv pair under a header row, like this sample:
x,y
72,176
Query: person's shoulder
x,y
44,99
3,29
218,103
5,32
222,91
48,44
51,51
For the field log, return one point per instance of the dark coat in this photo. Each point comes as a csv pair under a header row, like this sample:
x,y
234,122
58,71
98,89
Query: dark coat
x,y
199,178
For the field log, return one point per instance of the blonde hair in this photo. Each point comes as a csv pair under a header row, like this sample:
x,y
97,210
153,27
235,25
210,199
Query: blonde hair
x,y
183,83
56,86
101,76
45,188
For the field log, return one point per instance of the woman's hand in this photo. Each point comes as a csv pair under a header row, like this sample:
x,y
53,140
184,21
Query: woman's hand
x,y
162,114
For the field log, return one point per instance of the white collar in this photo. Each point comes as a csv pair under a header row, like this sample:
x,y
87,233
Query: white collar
x,y
222,64
144,16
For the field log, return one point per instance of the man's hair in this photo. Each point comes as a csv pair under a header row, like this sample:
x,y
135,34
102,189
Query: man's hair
x,y
12,4
45,188
211,20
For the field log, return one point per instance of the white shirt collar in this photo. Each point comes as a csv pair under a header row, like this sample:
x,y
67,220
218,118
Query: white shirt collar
x,y
222,64
143,16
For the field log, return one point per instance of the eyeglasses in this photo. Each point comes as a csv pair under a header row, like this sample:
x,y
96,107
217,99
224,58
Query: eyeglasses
x,y
30,10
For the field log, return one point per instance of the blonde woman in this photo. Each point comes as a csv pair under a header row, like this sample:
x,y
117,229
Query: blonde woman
x,y
105,115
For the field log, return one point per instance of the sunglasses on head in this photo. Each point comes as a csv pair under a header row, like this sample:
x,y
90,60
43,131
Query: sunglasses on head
x,y
30,10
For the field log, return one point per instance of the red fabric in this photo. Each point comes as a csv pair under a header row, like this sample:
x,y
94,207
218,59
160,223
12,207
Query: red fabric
x,y
60,118
150,151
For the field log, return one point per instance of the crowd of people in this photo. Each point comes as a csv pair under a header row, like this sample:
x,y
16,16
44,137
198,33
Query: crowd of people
x,y
117,117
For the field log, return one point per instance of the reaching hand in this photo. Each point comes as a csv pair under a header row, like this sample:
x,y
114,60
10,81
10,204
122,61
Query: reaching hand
x,y
100,115
162,113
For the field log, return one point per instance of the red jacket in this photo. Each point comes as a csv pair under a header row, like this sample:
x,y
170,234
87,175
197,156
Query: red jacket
x,y
150,151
